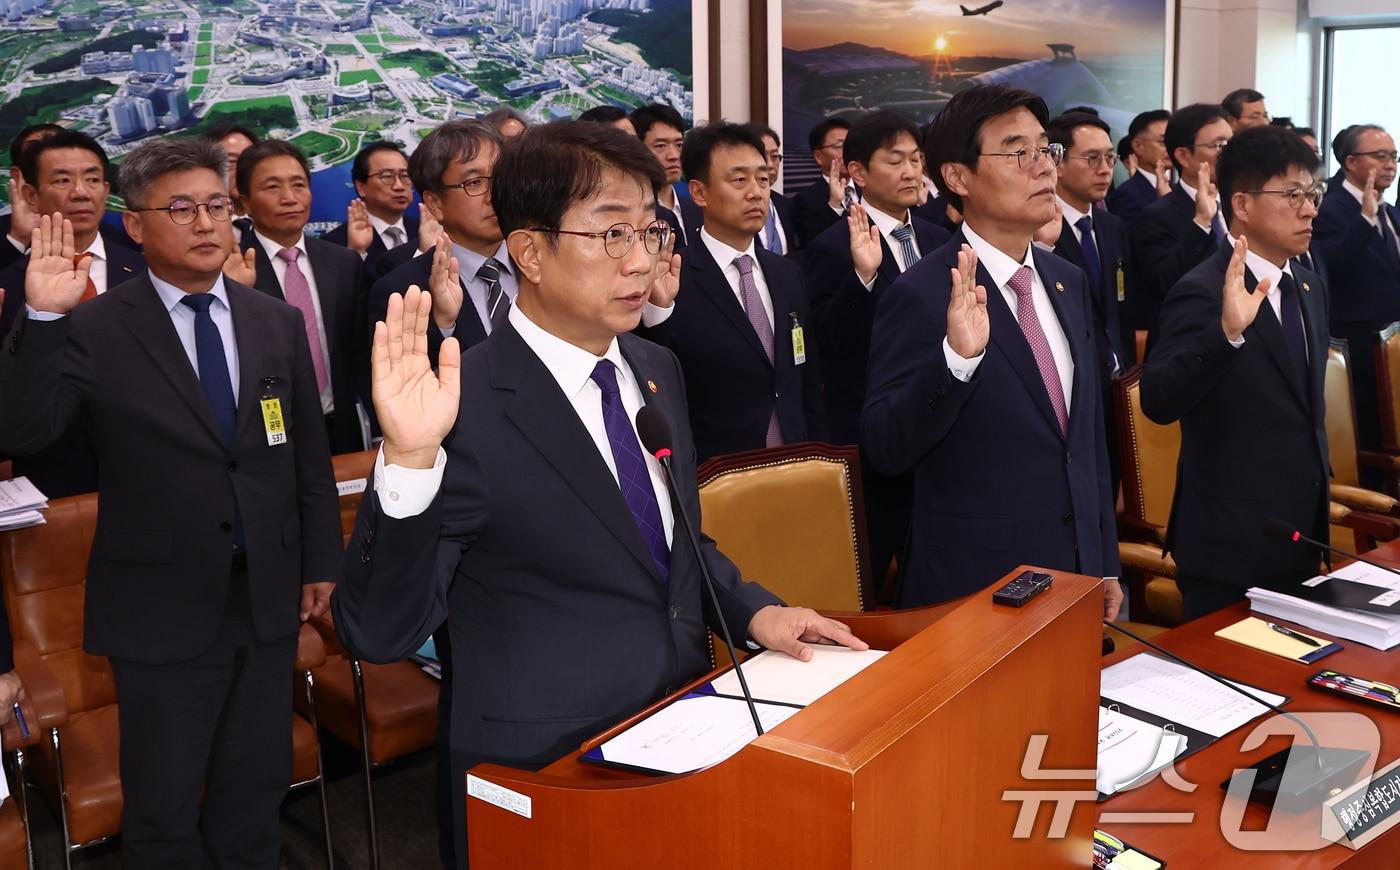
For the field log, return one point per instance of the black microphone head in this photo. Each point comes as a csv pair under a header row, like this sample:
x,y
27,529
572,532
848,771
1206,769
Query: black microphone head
x,y
1278,527
654,430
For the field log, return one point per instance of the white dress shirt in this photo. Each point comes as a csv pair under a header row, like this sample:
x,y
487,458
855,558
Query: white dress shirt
x,y
725,257
182,316
1261,269
1150,176
1002,268
279,268
406,492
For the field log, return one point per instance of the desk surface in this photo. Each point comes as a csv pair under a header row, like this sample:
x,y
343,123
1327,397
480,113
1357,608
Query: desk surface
x,y
1201,843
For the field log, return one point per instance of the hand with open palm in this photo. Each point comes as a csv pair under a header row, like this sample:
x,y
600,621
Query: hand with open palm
x,y
52,282
416,406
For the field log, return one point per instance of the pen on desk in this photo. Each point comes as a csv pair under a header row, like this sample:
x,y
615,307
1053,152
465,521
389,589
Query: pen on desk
x,y
1288,632
19,720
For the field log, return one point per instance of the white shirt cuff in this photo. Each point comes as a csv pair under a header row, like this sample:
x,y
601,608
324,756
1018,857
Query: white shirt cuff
x,y
1236,343
22,247
1373,221
1049,249
962,369
447,331
655,315
364,255
407,492
868,285
841,210
41,315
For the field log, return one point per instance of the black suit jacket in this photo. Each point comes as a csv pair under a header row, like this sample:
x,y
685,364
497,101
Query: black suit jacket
x,y
843,313
8,252
343,295
469,330
1166,244
1127,200
159,568
674,220
1363,272
783,205
733,389
68,466
996,483
1113,326
810,212
339,235
935,211
1253,439
530,677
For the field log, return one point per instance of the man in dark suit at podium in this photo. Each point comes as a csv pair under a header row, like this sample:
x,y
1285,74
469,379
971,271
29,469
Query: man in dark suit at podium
x,y
1240,364
541,413
217,531
983,372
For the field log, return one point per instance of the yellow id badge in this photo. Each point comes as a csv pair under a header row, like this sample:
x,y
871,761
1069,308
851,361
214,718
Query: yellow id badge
x,y
799,344
272,421
1120,281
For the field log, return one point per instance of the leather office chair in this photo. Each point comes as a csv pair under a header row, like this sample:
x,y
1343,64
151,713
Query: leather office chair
x,y
45,569
1148,454
1373,518
43,711
793,519
384,711
1388,389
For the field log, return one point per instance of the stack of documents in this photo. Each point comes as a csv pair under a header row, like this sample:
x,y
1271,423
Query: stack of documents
x,y
1131,750
1182,696
1378,630
20,504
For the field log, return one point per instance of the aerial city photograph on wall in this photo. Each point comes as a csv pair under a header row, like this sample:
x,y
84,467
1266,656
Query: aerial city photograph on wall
x,y
330,75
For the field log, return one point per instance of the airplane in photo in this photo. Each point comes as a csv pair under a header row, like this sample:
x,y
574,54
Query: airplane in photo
x,y
982,10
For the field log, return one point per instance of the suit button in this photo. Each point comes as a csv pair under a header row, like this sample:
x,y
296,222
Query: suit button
x,y
777,395
1067,519
225,527
675,612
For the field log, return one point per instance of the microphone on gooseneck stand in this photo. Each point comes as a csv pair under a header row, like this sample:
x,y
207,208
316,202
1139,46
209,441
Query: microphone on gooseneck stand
x,y
654,430
1294,778
1287,530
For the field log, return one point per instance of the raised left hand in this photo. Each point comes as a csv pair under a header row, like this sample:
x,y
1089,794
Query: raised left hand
x,y
315,599
787,629
243,267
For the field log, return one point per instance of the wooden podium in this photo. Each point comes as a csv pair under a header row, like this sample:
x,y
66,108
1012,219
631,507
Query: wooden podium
x,y
903,766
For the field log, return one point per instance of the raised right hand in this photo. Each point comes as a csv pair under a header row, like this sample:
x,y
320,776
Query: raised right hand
x,y
445,285
416,406
1205,197
1164,177
428,230
866,252
969,328
23,218
359,232
835,186
1370,197
52,283
1238,306
241,267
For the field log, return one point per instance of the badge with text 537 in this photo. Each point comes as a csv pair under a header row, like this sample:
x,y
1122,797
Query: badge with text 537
x,y
799,344
273,423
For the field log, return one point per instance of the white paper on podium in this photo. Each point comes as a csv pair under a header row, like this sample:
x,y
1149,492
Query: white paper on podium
x,y
1180,695
1131,750
777,676
693,733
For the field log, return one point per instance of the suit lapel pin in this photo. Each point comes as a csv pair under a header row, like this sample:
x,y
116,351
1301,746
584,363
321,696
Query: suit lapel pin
x,y
1306,288
1059,288
651,385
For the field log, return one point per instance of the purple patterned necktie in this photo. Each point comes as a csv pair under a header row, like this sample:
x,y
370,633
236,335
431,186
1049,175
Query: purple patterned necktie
x,y
1020,284
633,478
297,291
758,318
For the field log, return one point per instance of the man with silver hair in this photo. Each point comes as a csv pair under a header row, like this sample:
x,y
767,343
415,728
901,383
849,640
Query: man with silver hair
x,y
218,529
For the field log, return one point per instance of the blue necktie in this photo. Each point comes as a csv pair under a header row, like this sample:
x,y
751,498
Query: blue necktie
x,y
772,239
214,379
632,475
1085,225
905,236
1217,227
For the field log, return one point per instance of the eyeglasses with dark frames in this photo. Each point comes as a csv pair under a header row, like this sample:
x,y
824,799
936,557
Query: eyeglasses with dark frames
x,y
1027,158
389,176
1382,156
619,238
184,211
1296,195
478,186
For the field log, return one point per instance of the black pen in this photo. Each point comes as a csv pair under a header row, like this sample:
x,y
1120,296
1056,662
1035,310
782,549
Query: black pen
x,y
19,720
1293,634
